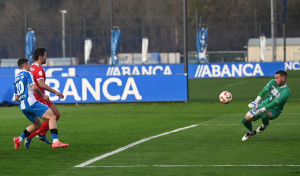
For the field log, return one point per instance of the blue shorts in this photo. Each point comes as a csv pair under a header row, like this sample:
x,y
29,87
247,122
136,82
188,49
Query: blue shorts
x,y
36,110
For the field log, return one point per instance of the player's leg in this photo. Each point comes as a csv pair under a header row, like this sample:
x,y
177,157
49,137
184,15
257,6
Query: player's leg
x,y
35,125
44,126
35,133
247,121
267,116
43,132
51,118
37,109
55,111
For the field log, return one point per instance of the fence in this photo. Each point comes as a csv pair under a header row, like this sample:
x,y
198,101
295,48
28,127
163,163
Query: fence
x,y
163,38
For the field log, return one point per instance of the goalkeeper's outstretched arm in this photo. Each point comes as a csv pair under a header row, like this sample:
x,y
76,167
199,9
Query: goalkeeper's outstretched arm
x,y
256,102
262,93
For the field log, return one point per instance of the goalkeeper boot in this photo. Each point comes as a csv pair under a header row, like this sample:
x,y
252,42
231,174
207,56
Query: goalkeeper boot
x,y
248,135
59,144
27,142
17,143
43,138
261,128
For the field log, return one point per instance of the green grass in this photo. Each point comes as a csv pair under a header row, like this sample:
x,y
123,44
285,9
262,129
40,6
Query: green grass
x,y
95,129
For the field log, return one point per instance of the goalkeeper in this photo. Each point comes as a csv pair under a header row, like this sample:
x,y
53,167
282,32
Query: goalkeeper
x,y
271,107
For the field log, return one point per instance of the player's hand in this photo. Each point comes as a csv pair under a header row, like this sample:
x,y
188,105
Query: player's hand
x,y
253,112
253,104
46,97
60,95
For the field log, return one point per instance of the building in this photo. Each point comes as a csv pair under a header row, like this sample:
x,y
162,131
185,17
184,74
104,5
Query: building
x,y
292,49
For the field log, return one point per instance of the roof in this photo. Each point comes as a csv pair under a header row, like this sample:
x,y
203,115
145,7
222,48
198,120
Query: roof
x,y
279,41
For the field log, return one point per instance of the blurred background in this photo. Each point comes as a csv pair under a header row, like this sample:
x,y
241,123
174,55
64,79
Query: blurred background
x,y
63,27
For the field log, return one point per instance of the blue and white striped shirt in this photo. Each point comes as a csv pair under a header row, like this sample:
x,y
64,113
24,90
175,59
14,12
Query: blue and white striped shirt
x,y
22,83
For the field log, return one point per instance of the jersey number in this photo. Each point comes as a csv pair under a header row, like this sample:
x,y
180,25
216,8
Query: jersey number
x,y
20,87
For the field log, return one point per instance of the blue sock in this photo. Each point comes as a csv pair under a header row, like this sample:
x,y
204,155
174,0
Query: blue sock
x,y
22,135
54,136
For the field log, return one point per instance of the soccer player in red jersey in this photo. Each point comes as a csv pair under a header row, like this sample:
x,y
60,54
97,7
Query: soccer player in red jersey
x,y
31,108
38,72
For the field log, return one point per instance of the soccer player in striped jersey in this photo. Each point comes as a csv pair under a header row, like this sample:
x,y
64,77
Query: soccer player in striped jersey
x,y
31,108
38,72
277,93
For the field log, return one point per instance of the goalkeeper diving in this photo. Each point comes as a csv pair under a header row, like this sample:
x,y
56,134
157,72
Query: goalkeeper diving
x,y
271,107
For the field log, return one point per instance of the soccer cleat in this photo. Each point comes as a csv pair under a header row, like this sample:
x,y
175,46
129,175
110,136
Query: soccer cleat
x,y
248,135
43,138
59,145
261,128
17,142
27,142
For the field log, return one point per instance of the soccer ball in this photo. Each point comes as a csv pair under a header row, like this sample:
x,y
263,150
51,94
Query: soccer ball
x,y
225,97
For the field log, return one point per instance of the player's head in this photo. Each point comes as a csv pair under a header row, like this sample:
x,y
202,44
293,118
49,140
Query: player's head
x,y
280,77
40,55
23,63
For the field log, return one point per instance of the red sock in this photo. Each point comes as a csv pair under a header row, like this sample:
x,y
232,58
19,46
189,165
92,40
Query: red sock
x,y
34,134
44,127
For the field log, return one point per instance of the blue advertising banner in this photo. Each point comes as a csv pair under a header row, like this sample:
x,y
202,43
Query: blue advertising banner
x,y
102,84
201,44
135,83
295,65
235,70
115,42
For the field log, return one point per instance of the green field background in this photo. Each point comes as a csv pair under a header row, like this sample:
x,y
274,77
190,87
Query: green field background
x,y
95,129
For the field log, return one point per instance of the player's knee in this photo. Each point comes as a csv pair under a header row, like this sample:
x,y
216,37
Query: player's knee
x,y
37,125
244,120
52,117
265,115
56,113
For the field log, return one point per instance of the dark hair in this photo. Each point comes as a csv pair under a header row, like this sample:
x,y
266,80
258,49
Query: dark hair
x,y
38,52
282,73
22,61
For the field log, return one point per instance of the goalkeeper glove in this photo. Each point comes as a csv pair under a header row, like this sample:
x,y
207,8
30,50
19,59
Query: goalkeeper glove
x,y
255,103
253,112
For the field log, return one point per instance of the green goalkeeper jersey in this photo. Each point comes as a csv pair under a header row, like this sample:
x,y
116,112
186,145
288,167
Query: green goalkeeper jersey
x,y
277,94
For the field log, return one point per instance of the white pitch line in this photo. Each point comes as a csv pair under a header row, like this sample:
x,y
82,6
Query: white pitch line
x,y
131,145
238,124
147,139
225,165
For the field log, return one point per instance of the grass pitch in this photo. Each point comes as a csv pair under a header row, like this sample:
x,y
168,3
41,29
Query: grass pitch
x,y
212,147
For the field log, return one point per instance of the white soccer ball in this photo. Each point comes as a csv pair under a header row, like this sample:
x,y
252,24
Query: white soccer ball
x,y
225,97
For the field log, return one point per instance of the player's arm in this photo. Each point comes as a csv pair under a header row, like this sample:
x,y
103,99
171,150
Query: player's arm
x,y
256,102
37,90
17,98
16,95
43,85
261,94
271,105
279,100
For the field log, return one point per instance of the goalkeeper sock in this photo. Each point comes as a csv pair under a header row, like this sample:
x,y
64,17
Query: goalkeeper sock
x,y
247,124
265,119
